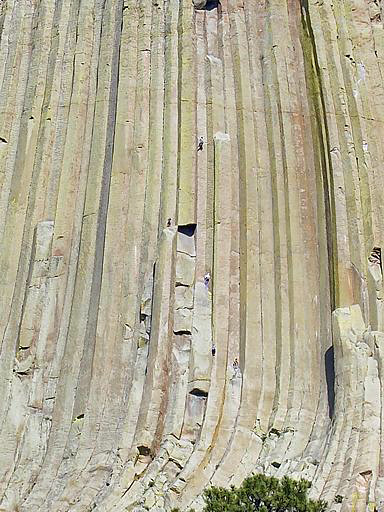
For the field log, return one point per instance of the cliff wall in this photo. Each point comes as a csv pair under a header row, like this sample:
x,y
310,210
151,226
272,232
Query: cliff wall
x,y
173,318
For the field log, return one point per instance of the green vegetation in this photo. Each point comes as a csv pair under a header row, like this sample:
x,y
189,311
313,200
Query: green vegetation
x,y
262,493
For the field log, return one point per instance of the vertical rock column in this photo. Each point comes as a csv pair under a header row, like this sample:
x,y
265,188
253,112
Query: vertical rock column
x,y
187,119
350,464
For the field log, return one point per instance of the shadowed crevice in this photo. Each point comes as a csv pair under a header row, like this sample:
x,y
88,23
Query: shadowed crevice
x,y
187,229
144,450
182,332
211,5
200,393
330,377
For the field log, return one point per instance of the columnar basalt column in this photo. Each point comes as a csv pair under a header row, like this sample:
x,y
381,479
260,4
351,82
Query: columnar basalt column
x,y
176,314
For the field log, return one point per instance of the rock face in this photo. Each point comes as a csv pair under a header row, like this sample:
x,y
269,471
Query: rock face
x,y
199,4
126,254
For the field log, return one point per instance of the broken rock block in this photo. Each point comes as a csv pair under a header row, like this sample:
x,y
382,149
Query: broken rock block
x,y
183,321
183,297
186,244
185,269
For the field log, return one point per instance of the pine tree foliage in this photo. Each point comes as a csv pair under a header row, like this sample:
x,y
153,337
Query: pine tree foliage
x,y
261,493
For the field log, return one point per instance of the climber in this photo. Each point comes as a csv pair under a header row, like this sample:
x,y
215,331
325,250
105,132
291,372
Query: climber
x,y
169,223
200,144
213,349
235,365
207,278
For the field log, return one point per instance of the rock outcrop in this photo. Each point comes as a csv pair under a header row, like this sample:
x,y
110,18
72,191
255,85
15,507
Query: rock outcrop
x,y
127,256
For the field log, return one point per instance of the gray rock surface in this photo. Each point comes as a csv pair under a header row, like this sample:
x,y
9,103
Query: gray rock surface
x,y
126,254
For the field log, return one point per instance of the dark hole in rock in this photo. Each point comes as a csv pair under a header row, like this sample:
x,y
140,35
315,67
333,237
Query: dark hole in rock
x,y
31,117
276,464
3,140
180,333
330,378
107,484
79,417
143,316
212,4
143,450
199,393
187,229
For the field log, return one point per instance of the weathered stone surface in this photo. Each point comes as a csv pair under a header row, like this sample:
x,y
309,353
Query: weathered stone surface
x,y
118,383
186,244
199,4
183,297
182,320
185,269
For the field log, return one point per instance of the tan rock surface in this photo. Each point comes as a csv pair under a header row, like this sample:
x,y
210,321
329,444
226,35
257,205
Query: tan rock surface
x,y
126,254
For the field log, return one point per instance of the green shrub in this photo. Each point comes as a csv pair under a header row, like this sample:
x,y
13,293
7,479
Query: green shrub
x,y
261,493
